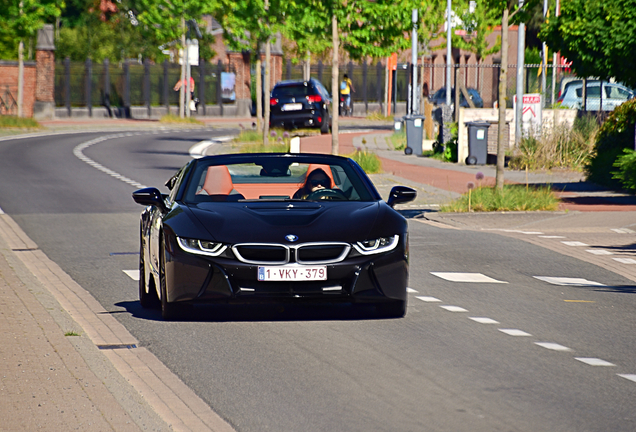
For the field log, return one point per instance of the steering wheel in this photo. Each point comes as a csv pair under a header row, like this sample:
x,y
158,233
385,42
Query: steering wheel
x,y
327,194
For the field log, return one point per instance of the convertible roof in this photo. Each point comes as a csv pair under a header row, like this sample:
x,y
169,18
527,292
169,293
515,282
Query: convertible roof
x,y
225,159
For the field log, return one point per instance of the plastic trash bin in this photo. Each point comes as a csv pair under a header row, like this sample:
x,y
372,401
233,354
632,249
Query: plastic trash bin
x,y
414,134
477,142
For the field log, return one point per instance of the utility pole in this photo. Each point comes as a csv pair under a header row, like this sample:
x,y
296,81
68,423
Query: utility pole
x,y
448,52
266,87
544,56
521,41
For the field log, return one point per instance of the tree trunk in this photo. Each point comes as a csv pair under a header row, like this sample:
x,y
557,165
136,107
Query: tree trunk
x,y
307,68
335,146
183,70
502,143
20,78
259,93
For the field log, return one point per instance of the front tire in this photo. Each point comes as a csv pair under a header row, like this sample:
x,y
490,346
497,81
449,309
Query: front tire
x,y
169,311
146,299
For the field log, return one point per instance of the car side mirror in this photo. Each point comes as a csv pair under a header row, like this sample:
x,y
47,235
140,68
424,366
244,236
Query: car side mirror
x,y
150,197
400,195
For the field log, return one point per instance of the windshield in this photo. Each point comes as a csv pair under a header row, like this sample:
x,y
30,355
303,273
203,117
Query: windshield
x,y
276,179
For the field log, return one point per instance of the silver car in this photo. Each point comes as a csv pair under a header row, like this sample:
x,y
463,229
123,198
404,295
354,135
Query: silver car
x,y
611,96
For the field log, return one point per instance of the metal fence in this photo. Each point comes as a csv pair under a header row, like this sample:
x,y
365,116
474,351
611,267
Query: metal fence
x,y
369,80
126,84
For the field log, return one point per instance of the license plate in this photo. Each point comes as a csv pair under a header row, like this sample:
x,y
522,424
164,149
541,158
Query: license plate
x,y
292,274
292,107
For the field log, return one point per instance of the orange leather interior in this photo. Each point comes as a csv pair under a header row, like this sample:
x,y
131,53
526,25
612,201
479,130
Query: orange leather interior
x,y
218,181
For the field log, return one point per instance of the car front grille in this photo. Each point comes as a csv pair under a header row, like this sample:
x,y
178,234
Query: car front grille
x,y
279,254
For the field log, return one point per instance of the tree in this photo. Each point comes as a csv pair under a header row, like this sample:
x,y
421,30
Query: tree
x,y
21,20
599,38
166,21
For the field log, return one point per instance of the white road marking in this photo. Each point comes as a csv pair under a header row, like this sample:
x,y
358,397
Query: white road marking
x,y
599,252
630,377
623,230
514,332
466,277
484,320
551,236
198,150
564,281
1,211
133,274
454,308
531,232
594,361
428,299
553,346
411,290
625,260
574,243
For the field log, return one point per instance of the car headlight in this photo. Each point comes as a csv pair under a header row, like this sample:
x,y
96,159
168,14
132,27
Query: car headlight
x,y
201,247
378,245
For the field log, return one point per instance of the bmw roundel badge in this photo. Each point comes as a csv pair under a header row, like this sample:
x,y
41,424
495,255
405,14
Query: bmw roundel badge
x,y
291,238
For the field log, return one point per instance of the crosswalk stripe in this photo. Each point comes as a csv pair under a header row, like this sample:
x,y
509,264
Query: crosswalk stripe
x,y
466,277
133,274
564,281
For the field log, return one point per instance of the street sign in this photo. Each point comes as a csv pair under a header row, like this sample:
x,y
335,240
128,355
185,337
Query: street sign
x,y
193,50
531,113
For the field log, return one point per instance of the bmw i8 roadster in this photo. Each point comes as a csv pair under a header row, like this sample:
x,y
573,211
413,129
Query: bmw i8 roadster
x,y
246,228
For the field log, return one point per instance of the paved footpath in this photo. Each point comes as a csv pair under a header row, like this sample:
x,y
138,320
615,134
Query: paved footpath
x,y
67,365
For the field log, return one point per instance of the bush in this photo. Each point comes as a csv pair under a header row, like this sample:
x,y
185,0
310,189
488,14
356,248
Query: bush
x,y
9,121
626,173
614,136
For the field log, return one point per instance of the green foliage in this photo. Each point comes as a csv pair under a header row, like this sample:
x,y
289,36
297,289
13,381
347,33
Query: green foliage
x,y
512,198
14,122
398,140
626,173
615,135
563,147
599,37
21,19
370,162
450,151
171,118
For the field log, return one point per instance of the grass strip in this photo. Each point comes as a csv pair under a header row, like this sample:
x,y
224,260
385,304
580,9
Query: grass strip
x,y
512,198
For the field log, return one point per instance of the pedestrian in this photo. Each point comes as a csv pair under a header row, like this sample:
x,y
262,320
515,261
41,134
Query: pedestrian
x,y
193,100
346,87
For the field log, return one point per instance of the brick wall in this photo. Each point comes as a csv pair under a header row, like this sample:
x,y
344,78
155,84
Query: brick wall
x,y
45,79
9,84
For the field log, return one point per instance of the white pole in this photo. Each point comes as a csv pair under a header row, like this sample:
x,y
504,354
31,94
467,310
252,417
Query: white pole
x,y
448,52
521,36
414,99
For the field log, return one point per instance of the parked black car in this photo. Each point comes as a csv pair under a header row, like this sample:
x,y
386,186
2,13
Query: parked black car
x,y
298,103
439,98
247,228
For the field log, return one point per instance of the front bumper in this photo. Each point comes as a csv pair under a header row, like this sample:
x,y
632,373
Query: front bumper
x,y
360,279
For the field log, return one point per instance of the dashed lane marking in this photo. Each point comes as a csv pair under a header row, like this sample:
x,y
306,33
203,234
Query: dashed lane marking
x,y
630,377
551,236
428,299
454,308
574,243
564,281
625,260
594,361
411,291
599,252
466,277
484,320
553,346
623,230
133,274
514,332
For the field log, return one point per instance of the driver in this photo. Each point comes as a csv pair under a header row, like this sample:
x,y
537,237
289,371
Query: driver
x,y
316,180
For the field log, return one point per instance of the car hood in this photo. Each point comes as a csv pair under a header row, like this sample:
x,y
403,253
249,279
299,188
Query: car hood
x,y
272,221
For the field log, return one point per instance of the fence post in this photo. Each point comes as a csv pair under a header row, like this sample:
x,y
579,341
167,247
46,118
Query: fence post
x,y
202,84
219,95
364,86
67,85
380,84
320,69
88,76
106,100
126,113
289,68
166,89
147,86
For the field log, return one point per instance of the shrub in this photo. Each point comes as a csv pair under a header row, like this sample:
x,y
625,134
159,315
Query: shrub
x,y
615,135
513,198
9,121
626,173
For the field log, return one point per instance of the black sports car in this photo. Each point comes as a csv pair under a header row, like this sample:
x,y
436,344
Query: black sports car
x,y
263,227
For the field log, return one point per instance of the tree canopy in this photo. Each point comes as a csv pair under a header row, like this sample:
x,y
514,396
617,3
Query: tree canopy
x,y
599,38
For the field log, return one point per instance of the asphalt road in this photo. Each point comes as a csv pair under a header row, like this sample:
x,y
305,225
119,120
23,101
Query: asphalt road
x,y
509,353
